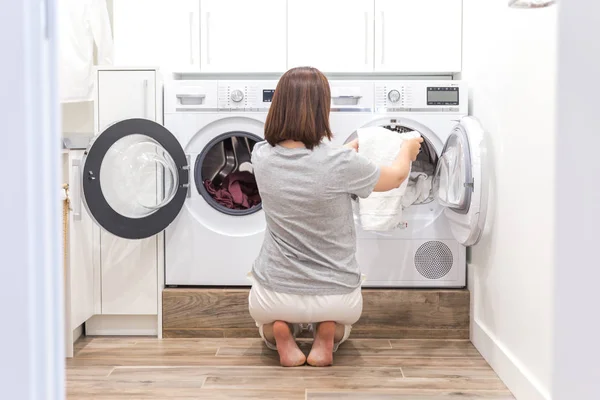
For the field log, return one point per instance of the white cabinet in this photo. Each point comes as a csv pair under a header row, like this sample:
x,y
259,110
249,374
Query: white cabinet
x,y
137,86
129,268
158,33
129,275
243,35
332,35
81,247
418,36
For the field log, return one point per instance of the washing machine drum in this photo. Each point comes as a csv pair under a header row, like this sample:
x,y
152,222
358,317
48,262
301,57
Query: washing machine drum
x,y
224,175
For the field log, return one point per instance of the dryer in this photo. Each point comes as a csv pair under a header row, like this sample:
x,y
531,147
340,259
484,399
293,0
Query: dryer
x,y
429,248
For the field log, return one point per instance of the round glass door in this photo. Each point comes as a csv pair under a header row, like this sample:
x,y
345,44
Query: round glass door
x,y
453,177
135,178
461,182
131,174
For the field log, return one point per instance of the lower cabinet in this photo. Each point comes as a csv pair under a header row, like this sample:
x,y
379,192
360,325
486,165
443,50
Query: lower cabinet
x,y
111,284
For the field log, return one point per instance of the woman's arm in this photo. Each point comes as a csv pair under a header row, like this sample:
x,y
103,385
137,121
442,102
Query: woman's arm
x,y
391,177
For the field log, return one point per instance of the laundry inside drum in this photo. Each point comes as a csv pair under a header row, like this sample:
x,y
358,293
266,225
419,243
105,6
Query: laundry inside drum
x,y
224,175
420,188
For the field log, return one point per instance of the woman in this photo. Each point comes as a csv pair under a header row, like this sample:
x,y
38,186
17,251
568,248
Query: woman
x,y
306,272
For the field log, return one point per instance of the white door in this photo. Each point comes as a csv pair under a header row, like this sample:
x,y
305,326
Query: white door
x,y
128,275
418,36
332,35
81,248
138,87
243,35
461,181
157,33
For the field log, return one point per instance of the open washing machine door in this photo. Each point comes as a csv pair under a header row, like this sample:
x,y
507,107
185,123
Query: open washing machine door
x,y
461,182
135,177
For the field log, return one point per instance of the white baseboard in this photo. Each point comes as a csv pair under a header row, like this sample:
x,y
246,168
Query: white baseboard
x,y
77,332
122,325
513,373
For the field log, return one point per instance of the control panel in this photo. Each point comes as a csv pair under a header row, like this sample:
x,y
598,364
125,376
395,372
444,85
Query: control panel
x,y
245,95
421,96
379,96
215,95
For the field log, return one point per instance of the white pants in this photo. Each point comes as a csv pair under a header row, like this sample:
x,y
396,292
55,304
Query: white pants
x,y
303,311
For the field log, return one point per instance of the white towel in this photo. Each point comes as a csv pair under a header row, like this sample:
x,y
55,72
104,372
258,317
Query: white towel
x,y
382,211
418,190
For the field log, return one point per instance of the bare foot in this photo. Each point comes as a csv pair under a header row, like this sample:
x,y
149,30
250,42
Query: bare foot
x,y
289,353
321,354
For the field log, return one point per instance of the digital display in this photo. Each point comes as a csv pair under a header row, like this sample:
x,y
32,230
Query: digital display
x,y
444,96
268,95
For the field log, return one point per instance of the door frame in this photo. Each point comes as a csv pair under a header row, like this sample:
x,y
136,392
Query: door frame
x,y
30,170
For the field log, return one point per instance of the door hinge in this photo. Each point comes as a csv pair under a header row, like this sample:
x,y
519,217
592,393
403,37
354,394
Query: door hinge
x,y
187,168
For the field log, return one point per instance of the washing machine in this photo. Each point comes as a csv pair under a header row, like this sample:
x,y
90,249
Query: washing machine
x,y
190,177
217,124
352,106
428,249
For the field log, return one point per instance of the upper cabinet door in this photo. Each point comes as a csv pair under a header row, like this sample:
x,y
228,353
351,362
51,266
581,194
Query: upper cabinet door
x,y
157,33
332,35
138,87
243,35
418,36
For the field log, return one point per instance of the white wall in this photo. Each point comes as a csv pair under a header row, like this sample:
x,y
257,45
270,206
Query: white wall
x,y
78,118
577,322
509,61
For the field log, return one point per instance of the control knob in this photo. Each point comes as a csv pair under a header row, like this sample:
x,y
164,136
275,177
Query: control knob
x,y
237,96
394,96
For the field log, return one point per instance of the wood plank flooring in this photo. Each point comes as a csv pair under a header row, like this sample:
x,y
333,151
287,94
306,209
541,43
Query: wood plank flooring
x,y
396,313
216,369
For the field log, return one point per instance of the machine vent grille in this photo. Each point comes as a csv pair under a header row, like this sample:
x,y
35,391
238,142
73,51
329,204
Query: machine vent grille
x,y
433,260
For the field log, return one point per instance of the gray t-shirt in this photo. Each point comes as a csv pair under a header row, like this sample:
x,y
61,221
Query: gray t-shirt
x,y
310,241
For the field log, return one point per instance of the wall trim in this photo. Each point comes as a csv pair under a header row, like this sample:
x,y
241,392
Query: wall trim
x,y
519,380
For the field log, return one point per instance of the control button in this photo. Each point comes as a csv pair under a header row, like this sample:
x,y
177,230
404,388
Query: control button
x,y
237,96
394,95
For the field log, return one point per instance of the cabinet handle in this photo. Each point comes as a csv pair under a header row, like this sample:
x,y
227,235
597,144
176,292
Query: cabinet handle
x,y
208,38
191,37
76,192
382,37
366,37
145,98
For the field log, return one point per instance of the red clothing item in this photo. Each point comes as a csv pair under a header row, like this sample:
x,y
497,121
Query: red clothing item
x,y
238,191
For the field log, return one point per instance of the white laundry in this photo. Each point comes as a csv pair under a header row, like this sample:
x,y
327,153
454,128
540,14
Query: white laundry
x,y
418,189
81,24
382,211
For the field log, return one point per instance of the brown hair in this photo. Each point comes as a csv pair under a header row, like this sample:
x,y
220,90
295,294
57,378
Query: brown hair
x,y
300,108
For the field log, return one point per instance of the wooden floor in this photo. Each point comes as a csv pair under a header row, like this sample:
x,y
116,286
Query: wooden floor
x,y
215,369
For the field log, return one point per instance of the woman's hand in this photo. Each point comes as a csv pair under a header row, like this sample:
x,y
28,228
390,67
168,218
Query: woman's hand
x,y
411,148
352,145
